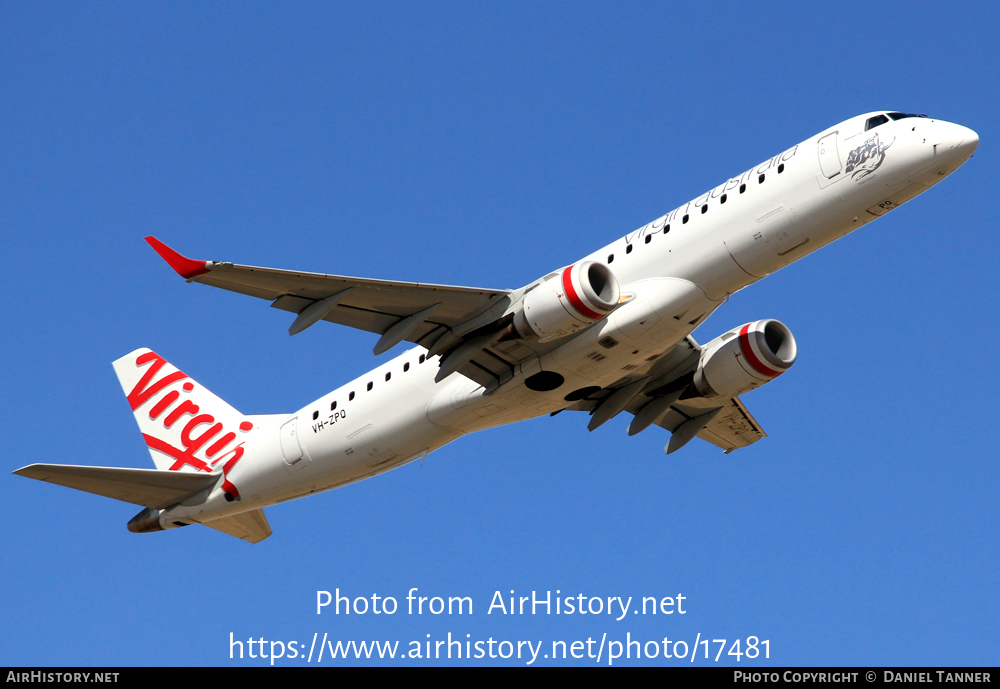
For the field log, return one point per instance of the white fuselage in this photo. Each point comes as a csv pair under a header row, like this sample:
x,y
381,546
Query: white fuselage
x,y
673,273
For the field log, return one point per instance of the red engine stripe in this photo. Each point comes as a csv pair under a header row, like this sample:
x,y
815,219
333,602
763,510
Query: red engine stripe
x,y
748,352
574,298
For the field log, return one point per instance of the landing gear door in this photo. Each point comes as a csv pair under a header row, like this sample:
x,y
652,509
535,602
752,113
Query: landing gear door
x,y
367,445
767,244
291,449
778,225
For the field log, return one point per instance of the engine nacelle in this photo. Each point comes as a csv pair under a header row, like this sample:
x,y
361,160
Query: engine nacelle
x,y
745,358
580,295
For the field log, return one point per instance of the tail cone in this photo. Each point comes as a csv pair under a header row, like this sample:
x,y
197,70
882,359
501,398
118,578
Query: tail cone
x,y
146,521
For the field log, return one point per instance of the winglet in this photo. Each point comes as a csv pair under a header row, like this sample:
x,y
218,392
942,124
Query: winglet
x,y
186,267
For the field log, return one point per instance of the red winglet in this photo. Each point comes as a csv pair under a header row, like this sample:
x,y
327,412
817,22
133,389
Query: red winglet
x,y
185,267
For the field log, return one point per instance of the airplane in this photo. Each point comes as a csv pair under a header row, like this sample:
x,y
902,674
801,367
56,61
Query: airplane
x,y
610,333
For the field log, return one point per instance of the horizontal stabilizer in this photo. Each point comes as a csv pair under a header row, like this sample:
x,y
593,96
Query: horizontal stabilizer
x,y
146,487
250,526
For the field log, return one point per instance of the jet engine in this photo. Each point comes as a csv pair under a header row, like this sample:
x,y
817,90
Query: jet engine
x,y
576,297
745,358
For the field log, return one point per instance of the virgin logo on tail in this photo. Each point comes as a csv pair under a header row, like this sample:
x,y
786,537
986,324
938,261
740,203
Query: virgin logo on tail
x,y
200,431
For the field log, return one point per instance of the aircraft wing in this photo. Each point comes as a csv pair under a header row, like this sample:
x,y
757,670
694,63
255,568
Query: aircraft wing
x,y
440,318
731,428
366,304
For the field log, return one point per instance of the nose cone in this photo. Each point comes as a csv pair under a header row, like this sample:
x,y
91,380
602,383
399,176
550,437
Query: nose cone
x,y
967,146
957,142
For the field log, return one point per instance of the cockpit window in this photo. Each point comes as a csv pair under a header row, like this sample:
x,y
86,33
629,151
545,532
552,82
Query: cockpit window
x,y
903,115
875,121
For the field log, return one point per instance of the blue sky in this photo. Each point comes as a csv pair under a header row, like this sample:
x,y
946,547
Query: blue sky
x,y
486,144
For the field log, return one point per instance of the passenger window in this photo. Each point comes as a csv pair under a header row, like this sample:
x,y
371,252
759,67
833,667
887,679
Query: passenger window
x,y
685,219
723,198
628,249
704,209
743,188
369,385
315,415
388,376
875,122
406,367
666,229
421,358
781,168
350,397
611,257
760,179
333,405
649,238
